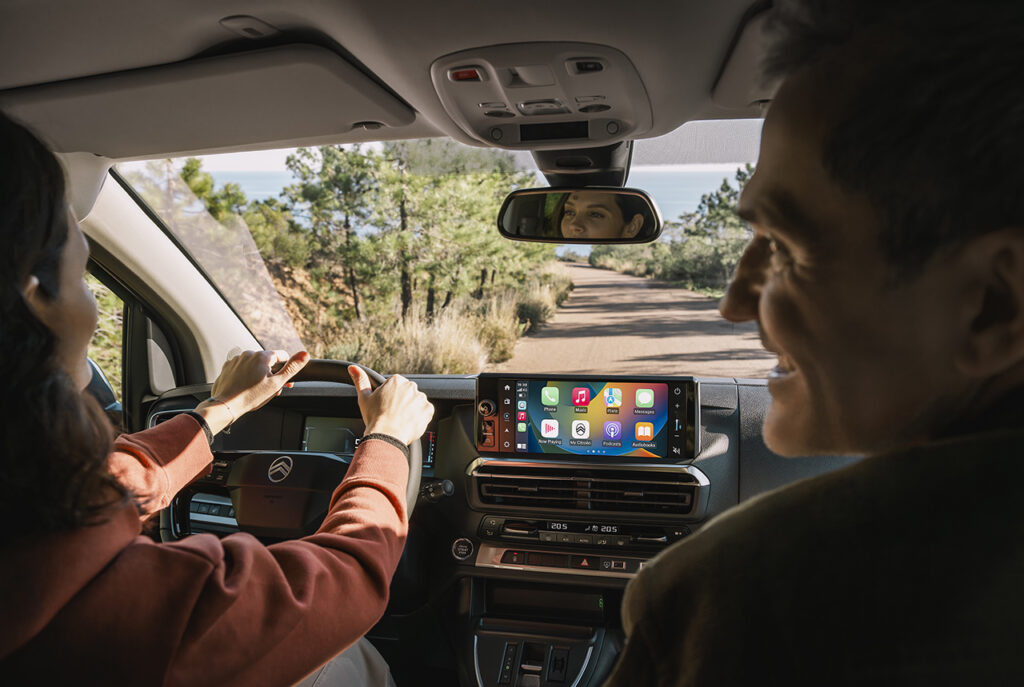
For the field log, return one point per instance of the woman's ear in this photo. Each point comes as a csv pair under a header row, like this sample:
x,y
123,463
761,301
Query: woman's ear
x,y
633,227
33,296
994,340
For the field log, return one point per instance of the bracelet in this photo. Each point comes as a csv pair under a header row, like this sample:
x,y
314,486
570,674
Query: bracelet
x,y
224,403
398,443
202,423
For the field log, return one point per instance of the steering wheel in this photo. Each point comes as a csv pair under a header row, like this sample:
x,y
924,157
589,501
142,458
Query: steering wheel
x,y
286,495
319,370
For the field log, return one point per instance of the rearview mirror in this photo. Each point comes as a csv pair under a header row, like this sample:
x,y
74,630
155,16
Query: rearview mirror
x,y
580,215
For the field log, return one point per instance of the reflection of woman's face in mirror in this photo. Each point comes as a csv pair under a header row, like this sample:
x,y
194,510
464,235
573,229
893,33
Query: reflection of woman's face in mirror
x,y
597,215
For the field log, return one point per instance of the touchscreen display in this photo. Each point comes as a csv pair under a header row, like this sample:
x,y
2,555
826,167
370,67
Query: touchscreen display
x,y
613,418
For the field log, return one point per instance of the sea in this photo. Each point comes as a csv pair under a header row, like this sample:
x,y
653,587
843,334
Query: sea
x,y
676,189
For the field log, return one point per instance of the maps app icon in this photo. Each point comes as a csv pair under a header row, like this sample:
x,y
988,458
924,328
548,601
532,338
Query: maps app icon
x,y
612,398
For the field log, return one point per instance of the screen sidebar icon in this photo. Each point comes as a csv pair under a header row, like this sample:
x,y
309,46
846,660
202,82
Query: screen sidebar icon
x,y
523,419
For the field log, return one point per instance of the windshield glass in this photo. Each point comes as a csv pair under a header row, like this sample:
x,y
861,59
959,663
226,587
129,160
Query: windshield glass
x,y
387,254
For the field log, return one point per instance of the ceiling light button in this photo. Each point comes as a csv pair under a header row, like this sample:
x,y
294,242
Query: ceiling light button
x,y
461,74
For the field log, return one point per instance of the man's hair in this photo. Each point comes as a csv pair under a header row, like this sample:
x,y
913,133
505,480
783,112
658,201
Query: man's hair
x,y
933,134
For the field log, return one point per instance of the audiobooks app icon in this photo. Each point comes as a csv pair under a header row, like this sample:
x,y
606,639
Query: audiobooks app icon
x,y
644,431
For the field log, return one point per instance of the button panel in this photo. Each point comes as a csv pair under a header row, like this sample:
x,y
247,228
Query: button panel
x,y
597,564
602,535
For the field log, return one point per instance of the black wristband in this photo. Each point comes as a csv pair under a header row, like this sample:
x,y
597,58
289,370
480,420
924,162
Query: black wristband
x,y
202,423
391,440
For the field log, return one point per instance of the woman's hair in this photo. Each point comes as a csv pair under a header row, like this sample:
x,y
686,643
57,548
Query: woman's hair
x,y
631,205
54,441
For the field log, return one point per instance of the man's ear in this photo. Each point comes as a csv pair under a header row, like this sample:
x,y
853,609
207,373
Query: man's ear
x,y
994,341
633,228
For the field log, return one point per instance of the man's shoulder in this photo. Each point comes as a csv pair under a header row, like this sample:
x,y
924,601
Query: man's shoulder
x,y
898,536
865,504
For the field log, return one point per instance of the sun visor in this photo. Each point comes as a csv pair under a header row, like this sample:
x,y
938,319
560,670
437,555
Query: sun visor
x,y
740,83
243,99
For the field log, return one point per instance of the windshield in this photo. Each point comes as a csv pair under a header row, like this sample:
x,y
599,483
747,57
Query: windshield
x,y
387,254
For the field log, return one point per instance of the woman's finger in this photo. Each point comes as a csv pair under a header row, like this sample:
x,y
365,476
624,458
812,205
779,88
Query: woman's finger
x,y
359,379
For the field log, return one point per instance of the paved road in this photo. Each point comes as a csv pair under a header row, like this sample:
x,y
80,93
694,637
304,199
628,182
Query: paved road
x,y
615,323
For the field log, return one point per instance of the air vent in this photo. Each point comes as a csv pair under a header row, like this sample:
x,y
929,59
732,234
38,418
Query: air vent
x,y
673,492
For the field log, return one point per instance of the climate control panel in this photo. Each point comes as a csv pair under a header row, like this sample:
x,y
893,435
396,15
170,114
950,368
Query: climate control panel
x,y
580,533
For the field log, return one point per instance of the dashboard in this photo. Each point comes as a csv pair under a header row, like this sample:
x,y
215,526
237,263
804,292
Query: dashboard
x,y
542,496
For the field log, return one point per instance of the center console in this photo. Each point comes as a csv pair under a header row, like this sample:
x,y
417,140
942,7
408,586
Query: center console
x,y
579,482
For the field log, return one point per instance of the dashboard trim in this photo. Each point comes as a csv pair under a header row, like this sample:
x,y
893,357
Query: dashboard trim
x,y
489,556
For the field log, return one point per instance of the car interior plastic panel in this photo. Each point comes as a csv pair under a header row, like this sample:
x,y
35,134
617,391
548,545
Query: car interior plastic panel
x,y
210,103
536,96
500,631
760,469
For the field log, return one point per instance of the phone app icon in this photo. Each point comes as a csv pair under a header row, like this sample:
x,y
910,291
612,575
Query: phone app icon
x,y
644,431
549,429
549,395
521,427
522,405
521,416
581,396
613,430
612,398
644,398
580,429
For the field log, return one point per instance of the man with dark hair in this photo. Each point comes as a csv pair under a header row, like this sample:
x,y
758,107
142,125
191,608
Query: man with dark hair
x,y
887,273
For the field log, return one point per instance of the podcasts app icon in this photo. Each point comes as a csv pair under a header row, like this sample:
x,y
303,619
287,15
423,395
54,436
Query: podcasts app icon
x,y
613,430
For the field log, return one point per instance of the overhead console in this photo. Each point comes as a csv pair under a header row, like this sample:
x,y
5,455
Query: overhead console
x,y
543,95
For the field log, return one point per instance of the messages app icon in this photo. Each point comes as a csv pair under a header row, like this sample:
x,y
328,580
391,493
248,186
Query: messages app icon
x,y
549,395
612,397
644,398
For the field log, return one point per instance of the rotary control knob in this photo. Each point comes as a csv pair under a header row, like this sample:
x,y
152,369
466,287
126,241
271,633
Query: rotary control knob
x,y
462,549
487,407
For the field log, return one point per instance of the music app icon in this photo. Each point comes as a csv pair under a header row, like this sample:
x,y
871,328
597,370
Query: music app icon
x,y
581,396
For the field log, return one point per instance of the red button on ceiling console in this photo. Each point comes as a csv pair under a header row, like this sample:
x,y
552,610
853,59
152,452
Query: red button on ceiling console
x,y
464,75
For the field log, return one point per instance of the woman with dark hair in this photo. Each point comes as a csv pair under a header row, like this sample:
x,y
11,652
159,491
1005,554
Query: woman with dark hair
x,y
601,215
82,594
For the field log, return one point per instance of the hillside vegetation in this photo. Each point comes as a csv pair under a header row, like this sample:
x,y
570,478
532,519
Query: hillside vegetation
x,y
389,256
699,250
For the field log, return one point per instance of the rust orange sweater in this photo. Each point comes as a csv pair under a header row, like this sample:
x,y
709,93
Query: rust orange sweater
x,y
105,605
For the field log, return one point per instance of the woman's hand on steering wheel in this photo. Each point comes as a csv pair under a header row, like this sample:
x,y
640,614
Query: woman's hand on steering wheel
x,y
247,382
396,408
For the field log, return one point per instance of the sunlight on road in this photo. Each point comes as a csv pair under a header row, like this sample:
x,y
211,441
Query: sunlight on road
x,y
618,324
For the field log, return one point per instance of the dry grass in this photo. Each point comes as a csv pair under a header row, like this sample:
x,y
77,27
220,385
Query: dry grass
x,y
458,340
447,345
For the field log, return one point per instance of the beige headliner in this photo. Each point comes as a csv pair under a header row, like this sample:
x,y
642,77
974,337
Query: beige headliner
x,y
678,48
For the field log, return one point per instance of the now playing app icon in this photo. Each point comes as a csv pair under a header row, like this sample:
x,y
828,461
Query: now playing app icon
x,y
613,430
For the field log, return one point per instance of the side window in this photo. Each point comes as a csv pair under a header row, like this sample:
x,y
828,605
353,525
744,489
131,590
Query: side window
x,y
105,349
